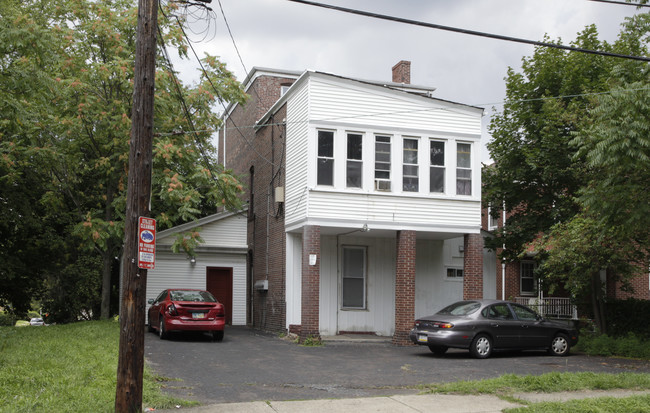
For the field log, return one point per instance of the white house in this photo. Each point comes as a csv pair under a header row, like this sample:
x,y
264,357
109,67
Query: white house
x,y
365,200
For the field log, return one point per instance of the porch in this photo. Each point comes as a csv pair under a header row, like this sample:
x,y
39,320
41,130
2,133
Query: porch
x,y
556,307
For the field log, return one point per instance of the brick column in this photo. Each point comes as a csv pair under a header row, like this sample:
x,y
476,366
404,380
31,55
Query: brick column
x,y
473,267
310,282
404,287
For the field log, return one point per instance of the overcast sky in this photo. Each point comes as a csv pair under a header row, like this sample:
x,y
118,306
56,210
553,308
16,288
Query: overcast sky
x,y
466,69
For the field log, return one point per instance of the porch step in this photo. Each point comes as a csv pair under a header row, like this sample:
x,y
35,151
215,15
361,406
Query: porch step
x,y
357,338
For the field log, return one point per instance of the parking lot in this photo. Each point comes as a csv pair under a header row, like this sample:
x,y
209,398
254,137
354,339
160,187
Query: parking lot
x,y
250,365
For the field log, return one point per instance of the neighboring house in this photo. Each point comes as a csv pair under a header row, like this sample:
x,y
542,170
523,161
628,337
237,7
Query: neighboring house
x,y
516,281
218,266
364,201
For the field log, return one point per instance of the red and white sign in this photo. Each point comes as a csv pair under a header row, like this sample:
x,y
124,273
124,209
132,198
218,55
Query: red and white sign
x,y
147,243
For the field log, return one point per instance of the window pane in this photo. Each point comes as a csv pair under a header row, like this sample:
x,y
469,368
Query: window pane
x,y
383,157
463,187
410,184
464,155
437,153
524,313
354,174
326,143
437,179
353,292
354,146
325,172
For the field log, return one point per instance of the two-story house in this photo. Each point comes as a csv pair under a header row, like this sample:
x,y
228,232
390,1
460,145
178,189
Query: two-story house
x,y
364,202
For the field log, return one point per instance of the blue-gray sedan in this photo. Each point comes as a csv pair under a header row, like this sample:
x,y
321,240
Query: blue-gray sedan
x,y
486,325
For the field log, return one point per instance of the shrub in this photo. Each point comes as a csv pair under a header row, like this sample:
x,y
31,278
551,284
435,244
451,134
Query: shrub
x,y
7,320
628,316
604,345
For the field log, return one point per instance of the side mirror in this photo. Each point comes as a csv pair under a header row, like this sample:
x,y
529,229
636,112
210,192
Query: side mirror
x,y
150,301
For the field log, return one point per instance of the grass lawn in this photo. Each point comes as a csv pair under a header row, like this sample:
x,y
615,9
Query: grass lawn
x,y
66,368
509,384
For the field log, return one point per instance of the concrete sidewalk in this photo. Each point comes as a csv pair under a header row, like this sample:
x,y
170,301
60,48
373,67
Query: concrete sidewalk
x,y
439,403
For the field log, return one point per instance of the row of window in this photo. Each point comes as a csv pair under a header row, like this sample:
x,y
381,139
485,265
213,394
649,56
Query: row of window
x,y
383,160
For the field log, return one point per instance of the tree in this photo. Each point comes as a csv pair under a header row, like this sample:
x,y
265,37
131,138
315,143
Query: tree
x,y
535,175
82,123
573,168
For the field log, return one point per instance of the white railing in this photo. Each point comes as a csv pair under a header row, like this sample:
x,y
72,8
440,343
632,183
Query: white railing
x,y
550,306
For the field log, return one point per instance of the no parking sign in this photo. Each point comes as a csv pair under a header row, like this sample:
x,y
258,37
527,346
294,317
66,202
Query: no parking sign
x,y
147,243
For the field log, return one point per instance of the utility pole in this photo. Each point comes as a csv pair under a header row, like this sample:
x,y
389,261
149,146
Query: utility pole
x,y
130,367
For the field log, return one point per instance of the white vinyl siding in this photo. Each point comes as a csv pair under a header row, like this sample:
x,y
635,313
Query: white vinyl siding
x,y
379,314
395,212
348,102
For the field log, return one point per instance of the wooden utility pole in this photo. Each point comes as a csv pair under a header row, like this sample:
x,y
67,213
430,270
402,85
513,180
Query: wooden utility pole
x,y
130,367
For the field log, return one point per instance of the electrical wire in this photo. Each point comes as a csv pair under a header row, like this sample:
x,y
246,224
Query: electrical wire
x,y
622,3
469,32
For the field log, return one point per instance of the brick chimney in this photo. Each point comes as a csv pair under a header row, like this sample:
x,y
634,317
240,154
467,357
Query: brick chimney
x,y
402,72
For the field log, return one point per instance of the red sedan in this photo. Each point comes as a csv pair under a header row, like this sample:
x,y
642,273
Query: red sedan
x,y
186,310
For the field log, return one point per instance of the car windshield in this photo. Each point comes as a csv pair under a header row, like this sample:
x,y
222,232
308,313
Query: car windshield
x,y
197,296
461,308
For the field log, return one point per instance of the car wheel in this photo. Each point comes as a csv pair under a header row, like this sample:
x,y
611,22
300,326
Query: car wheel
x,y
150,326
161,329
481,346
217,335
560,345
438,350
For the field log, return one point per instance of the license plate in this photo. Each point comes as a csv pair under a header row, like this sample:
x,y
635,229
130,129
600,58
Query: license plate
x,y
422,338
198,315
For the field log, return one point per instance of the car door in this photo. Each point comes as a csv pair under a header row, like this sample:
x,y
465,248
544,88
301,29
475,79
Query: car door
x,y
532,332
503,326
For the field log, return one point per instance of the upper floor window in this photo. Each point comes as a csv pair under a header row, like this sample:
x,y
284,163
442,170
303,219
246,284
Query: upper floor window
x,y
464,169
325,173
354,166
382,163
410,166
437,169
284,89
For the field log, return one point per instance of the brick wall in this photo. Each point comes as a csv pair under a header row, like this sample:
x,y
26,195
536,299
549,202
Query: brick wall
x,y
404,287
261,149
473,267
638,283
310,282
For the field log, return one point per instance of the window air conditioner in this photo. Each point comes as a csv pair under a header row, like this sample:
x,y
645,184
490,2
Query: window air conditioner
x,y
382,185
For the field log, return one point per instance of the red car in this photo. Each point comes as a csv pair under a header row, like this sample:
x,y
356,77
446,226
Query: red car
x,y
186,310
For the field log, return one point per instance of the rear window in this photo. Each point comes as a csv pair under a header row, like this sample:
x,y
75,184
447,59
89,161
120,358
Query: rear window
x,y
461,308
198,296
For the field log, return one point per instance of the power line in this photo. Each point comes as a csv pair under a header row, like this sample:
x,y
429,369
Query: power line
x,y
469,32
622,3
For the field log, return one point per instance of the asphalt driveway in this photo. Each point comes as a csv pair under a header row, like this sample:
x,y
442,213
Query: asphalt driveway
x,y
250,365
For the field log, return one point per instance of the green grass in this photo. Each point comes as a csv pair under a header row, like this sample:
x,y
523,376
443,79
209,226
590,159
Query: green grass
x,y
633,404
545,383
507,385
66,368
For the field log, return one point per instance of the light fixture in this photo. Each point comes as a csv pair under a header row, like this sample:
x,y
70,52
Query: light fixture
x,y
365,228
192,260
